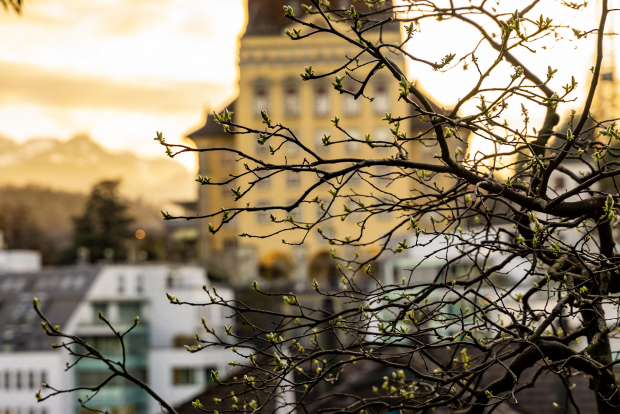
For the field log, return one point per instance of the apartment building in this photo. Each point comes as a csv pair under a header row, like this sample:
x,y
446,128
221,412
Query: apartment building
x,y
72,297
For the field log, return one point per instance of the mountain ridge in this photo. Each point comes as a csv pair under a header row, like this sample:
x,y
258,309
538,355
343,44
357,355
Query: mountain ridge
x,y
77,164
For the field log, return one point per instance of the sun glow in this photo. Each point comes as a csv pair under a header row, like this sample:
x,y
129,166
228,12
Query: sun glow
x,y
435,39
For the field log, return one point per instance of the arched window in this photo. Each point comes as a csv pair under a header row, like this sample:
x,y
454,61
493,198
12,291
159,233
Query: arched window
x,y
275,266
323,269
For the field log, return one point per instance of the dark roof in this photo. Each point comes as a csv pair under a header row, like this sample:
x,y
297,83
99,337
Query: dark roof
x,y
60,290
536,400
188,206
211,128
358,380
266,17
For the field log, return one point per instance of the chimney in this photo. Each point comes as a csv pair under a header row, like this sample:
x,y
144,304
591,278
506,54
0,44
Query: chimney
x,y
83,255
108,255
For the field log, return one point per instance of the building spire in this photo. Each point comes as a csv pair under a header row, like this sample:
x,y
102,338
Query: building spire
x,y
605,105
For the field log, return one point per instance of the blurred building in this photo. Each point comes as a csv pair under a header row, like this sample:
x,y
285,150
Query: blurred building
x,y
72,297
19,261
269,68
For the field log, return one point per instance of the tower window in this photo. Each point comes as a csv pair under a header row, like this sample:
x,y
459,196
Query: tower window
x,y
230,244
382,175
381,135
291,149
350,105
262,149
381,103
293,180
355,180
265,182
128,311
353,146
321,101
228,159
291,100
295,213
319,135
261,98
263,215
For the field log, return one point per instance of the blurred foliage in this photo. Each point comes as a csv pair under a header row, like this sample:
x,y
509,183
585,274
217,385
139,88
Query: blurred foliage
x,y
104,226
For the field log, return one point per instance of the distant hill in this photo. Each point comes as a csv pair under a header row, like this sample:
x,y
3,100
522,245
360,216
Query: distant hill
x,y
75,165
52,211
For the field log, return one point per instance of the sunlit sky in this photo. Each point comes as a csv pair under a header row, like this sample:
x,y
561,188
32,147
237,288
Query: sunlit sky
x,y
121,69
116,69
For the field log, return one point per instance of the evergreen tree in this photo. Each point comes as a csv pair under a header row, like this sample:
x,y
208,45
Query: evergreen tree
x,y
104,226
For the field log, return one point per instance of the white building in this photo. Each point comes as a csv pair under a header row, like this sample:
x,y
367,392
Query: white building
x,y
19,261
72,297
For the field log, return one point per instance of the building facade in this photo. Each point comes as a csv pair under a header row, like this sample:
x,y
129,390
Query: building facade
x,y
72,297
269,68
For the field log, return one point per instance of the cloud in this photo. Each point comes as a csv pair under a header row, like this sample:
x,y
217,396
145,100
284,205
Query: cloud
x,y
24,83
128,40
117,69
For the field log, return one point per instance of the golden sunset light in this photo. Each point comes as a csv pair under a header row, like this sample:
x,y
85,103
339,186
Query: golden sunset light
x,y
120,71
309,206
116,70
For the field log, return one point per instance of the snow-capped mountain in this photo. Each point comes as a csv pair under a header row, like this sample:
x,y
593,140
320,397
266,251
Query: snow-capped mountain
x,y
75,165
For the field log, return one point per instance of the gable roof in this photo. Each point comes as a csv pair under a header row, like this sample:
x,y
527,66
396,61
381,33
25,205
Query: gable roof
x,y
211,128
60,290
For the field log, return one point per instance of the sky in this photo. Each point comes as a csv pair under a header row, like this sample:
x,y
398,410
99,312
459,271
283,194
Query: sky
x,y
571,57
120,70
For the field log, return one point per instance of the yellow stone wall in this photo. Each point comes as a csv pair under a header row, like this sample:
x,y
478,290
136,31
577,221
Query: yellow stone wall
x,y
274,61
